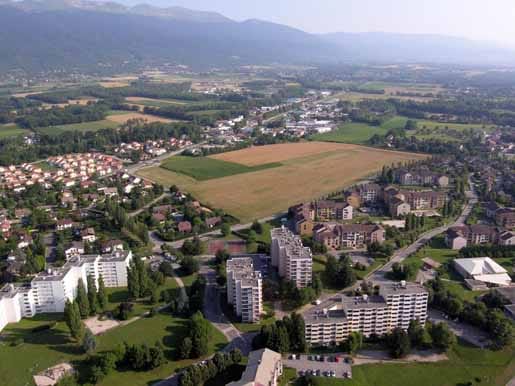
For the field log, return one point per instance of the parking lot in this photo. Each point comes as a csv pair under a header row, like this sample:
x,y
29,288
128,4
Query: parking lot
x,y
319,365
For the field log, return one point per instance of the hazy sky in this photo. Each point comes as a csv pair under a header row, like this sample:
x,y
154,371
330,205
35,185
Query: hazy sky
x,y
477,19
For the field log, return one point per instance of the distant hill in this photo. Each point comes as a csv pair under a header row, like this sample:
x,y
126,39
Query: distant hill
x,y
95,36
418,48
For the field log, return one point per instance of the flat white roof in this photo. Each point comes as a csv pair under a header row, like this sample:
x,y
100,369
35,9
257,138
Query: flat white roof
x,y
484,269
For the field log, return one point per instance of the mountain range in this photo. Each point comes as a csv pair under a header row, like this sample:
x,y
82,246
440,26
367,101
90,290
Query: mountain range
x,y
93,36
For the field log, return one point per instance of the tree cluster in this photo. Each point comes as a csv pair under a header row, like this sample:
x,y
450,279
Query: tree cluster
x,y
339,273
491,320
286,335
199,374
196,344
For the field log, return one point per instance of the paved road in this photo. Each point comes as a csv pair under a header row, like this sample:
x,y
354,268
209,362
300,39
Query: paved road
x,y
154,201
213,312
379,275
401,254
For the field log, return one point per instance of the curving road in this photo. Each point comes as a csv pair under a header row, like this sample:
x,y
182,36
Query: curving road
x,y
401,254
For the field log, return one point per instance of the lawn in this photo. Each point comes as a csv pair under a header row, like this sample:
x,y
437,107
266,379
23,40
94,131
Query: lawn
x,y
204,168
161,328
82,127
309,170
465,364
12,130
358,133
116,296
44,349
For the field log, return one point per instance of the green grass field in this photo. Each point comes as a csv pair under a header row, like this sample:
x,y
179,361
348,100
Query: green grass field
x,y
360,133
11,130
466,364
357,133
204,168
47,348
82,127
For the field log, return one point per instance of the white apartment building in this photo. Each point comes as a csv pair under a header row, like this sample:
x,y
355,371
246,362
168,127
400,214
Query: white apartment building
x,y
49,290
244,289
395,306
293,260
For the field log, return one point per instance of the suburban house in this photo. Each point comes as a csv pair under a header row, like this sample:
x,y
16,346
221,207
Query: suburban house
x,y
88,235
211,222
184,227
64,224
337,236
75,248
111,246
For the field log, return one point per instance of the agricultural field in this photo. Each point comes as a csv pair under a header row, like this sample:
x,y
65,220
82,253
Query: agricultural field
x,y
155,102
360,133
82,127
123,118
117,81
308,171
11,130
391,90
205,168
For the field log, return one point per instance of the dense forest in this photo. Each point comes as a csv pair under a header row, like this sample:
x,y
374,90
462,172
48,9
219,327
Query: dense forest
x,y
62,116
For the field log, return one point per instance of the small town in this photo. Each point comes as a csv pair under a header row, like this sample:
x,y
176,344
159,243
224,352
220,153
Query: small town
x,y
208,198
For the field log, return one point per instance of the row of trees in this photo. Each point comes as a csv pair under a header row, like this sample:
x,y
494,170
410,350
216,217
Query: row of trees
x,y
492,250
415,222
87,303
118,218
400,342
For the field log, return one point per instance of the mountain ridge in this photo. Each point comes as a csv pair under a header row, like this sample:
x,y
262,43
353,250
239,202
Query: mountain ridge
x,y
92,36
